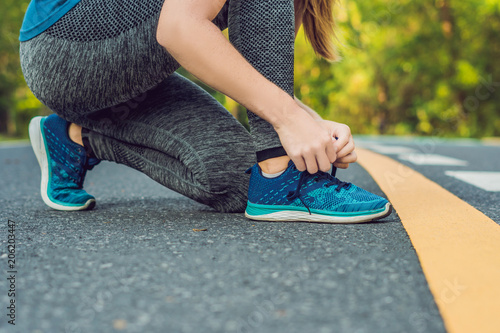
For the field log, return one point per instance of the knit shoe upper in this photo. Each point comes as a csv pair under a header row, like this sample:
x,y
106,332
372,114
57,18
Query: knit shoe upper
x,y
318,197
64,164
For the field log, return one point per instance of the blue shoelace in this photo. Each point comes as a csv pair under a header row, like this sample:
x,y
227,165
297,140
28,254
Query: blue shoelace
x,y
292,195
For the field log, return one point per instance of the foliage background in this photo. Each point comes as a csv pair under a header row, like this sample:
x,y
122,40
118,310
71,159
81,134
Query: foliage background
x,y
420,67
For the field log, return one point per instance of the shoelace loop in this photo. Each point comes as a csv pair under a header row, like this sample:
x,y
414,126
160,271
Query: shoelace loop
x,y
292,195
333,181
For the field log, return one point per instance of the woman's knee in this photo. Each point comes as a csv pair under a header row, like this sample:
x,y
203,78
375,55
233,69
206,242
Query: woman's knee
x,y
233,200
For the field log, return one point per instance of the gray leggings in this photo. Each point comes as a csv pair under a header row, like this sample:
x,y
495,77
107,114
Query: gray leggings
x,y
101,67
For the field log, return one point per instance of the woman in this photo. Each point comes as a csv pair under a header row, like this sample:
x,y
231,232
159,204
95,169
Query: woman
x,y
106,68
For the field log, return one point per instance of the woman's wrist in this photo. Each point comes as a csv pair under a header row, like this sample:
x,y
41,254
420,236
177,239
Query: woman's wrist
x,y
287,112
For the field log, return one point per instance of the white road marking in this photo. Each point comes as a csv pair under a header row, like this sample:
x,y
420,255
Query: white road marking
x,y
391,149
488,181
431,159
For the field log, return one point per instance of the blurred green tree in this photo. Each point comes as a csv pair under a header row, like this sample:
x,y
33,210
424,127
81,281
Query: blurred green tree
x,y
409,67
17,103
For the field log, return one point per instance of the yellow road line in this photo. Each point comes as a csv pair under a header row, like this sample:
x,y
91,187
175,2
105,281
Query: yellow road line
x,y
457,245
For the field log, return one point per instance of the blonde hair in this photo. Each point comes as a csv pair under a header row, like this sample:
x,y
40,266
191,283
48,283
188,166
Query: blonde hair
x,y
319,26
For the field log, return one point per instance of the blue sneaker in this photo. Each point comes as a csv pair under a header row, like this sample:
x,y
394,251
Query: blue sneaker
x,y
64,164
319,197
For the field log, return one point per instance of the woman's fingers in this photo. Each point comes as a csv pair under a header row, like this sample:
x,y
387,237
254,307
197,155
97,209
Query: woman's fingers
x,y
320,159
331,152
312,165
324,163
317,157
314,145
343,135
341,165
299,162
347,149
350,158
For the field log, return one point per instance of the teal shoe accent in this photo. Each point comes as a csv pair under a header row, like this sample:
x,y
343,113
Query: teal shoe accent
x,y
256,210
319,197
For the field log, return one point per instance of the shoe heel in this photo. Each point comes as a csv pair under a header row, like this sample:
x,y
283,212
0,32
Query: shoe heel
x,y
38,145
36,139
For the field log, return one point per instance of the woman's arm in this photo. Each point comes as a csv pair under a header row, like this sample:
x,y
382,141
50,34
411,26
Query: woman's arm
x,y
186,31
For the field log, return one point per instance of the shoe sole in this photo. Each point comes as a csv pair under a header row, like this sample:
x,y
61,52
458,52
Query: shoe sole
x,y
39,147
302,216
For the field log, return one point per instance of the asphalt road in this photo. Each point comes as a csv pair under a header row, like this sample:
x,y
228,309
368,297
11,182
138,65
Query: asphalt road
x,y
134,264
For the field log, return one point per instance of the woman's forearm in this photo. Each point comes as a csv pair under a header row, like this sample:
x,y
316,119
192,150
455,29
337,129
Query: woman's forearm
x,y
200,47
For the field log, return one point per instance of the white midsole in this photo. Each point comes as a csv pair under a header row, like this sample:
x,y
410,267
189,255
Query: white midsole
x,y
293,216
38,145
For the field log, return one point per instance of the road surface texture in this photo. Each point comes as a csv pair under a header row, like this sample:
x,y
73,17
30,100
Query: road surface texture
x,y
134,263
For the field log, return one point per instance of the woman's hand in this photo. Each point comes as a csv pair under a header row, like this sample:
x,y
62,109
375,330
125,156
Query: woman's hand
x,y
344,143
340,134
308,143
